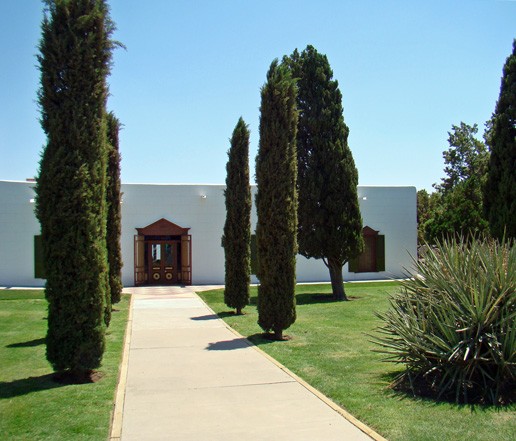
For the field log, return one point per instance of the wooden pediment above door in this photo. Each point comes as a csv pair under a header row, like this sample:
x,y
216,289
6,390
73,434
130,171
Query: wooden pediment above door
x,y
162,227
368,231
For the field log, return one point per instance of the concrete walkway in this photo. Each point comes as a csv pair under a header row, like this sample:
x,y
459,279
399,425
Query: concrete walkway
x,y
189,377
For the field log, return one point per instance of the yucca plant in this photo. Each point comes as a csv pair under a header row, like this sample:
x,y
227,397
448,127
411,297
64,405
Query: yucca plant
x,y
453,325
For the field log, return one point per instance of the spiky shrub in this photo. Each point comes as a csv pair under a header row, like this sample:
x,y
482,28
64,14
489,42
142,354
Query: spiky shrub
x,y
453,326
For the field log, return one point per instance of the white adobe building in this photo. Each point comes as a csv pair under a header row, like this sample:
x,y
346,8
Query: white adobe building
x,y
171,234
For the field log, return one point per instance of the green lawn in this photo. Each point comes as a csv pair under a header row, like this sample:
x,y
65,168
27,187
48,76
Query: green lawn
x,y
331,351
32,405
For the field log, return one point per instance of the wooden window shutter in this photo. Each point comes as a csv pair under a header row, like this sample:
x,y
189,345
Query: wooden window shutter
x,y
186,259
353,265
39,260
380,252
139,260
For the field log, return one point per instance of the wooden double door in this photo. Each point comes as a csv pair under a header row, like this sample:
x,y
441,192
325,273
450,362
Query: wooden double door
x,y
162,254
164,261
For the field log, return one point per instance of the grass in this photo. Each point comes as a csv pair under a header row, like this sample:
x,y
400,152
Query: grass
x,y
330,350
32,405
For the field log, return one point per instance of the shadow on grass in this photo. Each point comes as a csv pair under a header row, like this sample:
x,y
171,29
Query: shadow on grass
x,y
260,339
314,298
27,344
24,386
225,314
402,389
309,298
393,389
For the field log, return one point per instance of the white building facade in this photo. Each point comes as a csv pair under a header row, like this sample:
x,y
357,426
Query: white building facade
x,y
171,234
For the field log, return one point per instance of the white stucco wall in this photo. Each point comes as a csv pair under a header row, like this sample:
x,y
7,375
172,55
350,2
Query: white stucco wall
x,y
390,210
183,205
393,212
18,226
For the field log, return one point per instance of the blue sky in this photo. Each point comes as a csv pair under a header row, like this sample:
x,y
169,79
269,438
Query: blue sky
x,y
407,71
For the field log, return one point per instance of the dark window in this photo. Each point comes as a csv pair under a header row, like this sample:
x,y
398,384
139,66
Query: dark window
x,y
39,262
372,259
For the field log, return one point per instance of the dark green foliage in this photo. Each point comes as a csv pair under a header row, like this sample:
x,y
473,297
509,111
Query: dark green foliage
x,y
237,229
458,212
458,209
429,210
423,213
500,189
276,201
330,224
114,215
465,160
74,60
255,265
453,326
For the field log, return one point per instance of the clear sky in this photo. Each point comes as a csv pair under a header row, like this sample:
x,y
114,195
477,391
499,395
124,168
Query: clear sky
x,y
407,71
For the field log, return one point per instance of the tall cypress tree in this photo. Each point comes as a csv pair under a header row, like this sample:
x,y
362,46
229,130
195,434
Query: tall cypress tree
x,y
276,201
114,215
237,229
74,60
500,189
330,224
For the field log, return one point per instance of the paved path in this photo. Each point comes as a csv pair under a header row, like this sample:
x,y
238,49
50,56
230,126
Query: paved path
x,y
190,378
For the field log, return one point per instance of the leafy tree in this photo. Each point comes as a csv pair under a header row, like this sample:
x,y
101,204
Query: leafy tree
x,y
500,189
74,60
465,160
330,224
276,201
459,208
114,215
427,207
423,213
237,229
458,213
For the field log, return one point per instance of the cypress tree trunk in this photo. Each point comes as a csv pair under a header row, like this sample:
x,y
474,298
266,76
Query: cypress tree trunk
x,y
337,281
237,229
75,56
276,202
114,216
